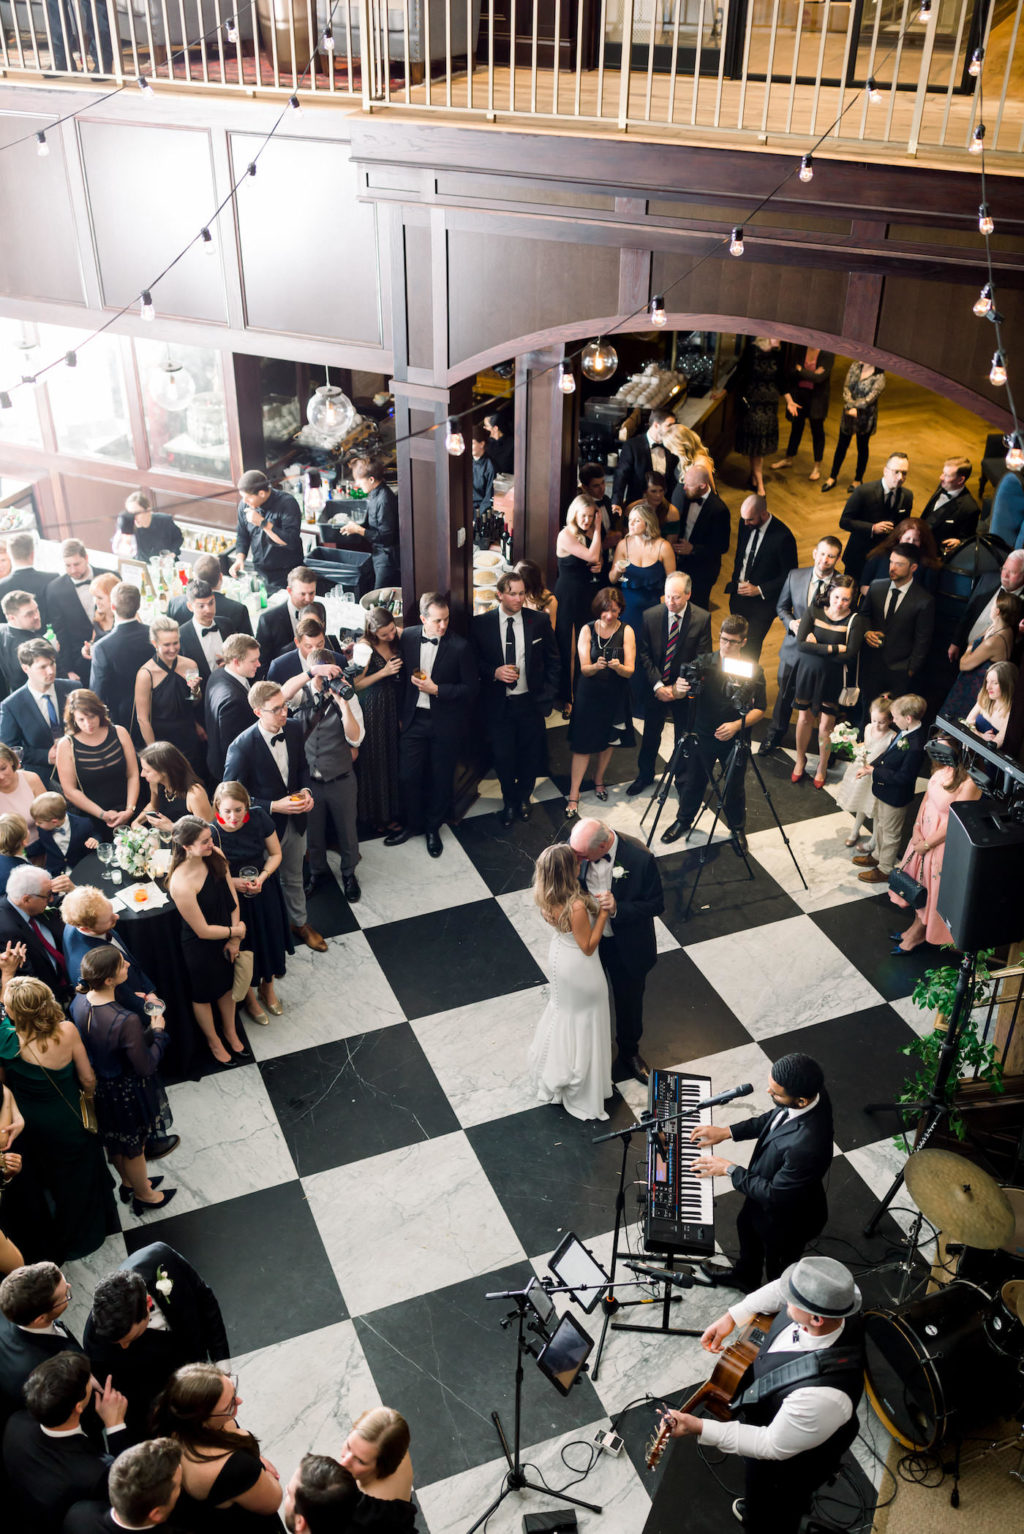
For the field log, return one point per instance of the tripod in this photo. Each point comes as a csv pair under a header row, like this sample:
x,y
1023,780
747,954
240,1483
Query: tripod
x,y
684,745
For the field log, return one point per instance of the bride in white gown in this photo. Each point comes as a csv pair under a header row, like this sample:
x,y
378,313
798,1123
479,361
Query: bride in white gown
x,y
570,1059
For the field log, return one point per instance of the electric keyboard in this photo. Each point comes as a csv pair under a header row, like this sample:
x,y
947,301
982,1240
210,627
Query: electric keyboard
x,y
679,1215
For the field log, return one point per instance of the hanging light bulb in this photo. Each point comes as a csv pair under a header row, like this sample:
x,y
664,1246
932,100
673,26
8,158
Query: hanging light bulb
x,y
736,246
209,244
71,358
806,171
231,30
454,441
977,143
171,386
1015,453
997,372
328,38
986,223
599,359
331,411
977,59
145,87
28,340
874,94
656,310
5,401
296,105
924,10
983,302
250,169
146,305
566,379
313,498
42,147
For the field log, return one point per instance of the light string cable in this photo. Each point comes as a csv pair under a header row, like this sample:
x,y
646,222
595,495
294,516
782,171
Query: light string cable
x,y
986,306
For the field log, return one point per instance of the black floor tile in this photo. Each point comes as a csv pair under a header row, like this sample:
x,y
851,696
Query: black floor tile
x,y
862,1060
547,1174
684,1016
452,958
504,857
247,1249
356,1098
726,901
791,801
448,1359
862,930
328,912
621,768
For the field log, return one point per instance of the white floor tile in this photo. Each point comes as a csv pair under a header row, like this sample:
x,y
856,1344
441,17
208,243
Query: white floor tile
x,y
490,800
478,1054
818,846
84,1274
326,996
406,881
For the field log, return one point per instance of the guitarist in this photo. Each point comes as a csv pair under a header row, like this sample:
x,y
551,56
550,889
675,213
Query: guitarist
x,y
795,1413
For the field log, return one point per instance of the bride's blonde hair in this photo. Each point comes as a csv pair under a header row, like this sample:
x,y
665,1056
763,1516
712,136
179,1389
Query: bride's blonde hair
x,y
556,885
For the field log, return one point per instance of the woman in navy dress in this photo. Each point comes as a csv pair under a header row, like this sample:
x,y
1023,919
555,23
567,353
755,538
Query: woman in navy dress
x,y
601,718
643,561
248,840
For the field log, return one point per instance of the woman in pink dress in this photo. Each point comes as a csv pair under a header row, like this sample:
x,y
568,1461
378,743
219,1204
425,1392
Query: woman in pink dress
x,y
923,858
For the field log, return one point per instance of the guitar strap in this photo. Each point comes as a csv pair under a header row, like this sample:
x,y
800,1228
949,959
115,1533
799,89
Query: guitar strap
x,y
809,1366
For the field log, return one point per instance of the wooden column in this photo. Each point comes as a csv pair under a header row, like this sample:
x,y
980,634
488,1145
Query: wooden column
x,y
435,497
545,462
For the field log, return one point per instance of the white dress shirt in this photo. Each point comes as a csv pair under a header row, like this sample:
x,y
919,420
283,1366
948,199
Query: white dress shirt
x,y
212,643
41,697
62,835
428,655
85,596
900,591
693,511
754,542
278,752
674,620
599,878
519,635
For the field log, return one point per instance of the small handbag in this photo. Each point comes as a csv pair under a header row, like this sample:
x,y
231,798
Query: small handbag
x,y
243,974
849,697
906,890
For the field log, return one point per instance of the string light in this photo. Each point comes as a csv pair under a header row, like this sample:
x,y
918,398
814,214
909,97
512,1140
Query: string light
x,y
977,59
231,30
806,171
736,246
250,169
983,302
1015,453
986,223
209,244
924,12
656,311
328,38
146,305
566,378
295,104
5,400
42,147
599,359
71,358
145,87
874,94
997,372
454,441
977,143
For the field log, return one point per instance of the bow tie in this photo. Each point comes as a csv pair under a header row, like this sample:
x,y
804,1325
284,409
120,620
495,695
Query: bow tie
x,y
86,582
603,859
213,629
275,740
425,640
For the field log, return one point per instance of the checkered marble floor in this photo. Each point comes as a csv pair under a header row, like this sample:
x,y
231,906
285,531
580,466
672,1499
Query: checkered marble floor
x,y
355,1194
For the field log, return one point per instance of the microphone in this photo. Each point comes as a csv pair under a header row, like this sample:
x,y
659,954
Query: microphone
x,y
727,1097
680,1280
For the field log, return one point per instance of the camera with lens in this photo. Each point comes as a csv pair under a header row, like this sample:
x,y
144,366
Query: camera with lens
x,y
342,685
695,672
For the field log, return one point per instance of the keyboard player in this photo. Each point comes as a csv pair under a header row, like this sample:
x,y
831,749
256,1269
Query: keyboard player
x,y
784,1198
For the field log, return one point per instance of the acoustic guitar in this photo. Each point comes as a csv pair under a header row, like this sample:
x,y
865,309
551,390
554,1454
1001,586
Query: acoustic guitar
x,y
716,1394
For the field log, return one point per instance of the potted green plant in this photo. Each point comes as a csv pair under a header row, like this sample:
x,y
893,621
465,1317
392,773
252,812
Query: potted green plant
x,y
974,1057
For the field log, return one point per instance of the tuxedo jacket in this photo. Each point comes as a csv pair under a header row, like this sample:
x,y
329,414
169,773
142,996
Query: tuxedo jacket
x,y
57,862
894,774
250,761
10,665
274,632
866,506
638,900
234,614
73,629
226,713
955,518
792,604
23,726
455,672
288,665
783,1181
31,580
980,598
710,537
632,469
117,658
76,946
908,633
49,1475
694,639
20,1351
775,557
192,645
542,663
37,961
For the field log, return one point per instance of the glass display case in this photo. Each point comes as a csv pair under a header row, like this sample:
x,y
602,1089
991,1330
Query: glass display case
x,y
185,408
88,402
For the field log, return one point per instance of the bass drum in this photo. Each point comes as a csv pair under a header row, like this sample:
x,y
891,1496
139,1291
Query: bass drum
x,y
930,1370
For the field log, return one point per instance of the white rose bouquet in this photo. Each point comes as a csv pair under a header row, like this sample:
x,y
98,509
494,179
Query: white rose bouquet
x,y
133,848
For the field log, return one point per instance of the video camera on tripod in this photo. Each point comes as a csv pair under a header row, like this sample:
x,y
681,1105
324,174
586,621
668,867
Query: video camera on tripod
x,y
737,678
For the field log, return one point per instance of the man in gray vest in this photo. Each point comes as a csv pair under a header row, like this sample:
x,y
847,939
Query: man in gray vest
x,y
330,714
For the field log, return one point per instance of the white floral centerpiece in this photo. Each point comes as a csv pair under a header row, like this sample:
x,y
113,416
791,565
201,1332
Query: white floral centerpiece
x,y
133,848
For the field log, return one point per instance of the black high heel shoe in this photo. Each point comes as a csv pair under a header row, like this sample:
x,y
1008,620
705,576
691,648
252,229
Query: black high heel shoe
x,y
140,1208
126,1195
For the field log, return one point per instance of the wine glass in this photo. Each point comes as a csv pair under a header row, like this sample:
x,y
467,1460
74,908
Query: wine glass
x,y
248,875
105,853
155,1010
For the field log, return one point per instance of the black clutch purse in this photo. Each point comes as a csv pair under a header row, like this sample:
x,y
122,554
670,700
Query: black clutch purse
x,y
907,888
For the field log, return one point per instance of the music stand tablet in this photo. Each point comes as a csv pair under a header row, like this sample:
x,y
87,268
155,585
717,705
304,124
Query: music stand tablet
x,y
563,1357
573,1265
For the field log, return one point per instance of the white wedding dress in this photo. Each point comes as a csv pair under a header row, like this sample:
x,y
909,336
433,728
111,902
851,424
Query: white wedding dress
x,y
570,1059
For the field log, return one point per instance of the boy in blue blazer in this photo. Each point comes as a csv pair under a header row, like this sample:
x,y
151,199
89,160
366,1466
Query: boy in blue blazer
x,y
894,783
64,839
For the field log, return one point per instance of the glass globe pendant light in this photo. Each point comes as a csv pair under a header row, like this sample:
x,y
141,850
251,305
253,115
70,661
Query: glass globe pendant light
x,y
171,386
599,359
330,410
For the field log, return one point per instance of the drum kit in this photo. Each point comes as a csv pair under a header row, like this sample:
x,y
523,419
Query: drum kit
x,y
953,1360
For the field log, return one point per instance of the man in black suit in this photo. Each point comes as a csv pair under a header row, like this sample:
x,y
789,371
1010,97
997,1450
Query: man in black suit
x,y
893,783
151,1316
705,532
50,1462
673,635
232,616
24,918
623,878
501,449
439,678
143,1486
785,1204
873,510
765,554
951,511
202,637
269,759
119,656
376,520
979,611
268,530
639,456
24,622
70,607
276,627
24,576
519,669
32,719
33,1300
804,588
900,617
226,710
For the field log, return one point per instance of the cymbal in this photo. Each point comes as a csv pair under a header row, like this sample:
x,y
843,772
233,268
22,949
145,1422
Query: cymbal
x,y
963,1201
1013,1297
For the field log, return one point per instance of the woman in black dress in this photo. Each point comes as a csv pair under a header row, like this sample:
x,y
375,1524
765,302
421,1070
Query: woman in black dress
x,y
226,1487
827,642
96,764
379,686
578,551
758,391
212,932
174,788
808,381
248,840
125,1053
861,390
167,696
602,717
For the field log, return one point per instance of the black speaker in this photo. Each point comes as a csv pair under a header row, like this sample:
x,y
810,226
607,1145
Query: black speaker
x,y
981,890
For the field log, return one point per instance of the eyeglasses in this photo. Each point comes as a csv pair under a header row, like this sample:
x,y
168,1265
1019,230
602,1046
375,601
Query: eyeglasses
x,y
65,1300
277,708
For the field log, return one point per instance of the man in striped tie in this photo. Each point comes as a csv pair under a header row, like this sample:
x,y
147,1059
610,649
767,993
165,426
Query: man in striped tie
x,y
673,635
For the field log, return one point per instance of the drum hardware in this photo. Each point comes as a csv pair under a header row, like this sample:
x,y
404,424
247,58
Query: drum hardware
x,y
904,1266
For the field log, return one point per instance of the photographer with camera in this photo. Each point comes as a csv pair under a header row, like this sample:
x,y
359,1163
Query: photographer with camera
x,y
327,708
727,708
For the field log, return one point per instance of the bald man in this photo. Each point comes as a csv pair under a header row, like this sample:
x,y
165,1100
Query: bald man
x,y
765,554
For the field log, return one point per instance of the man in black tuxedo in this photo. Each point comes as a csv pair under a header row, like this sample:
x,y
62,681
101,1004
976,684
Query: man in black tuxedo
x,y
785,1204
639,456
50,1462
24,622
873,510
32,718
24,918
143,1486
276,627
226,710
951,511
439,679
24,576
519,670
268,530
231,615
119,656
269,759
704,532
70,607
979,611
623,878
893,783
151,1316
673,635
33,1300
765,554
804,588
900,618
501,449
202,637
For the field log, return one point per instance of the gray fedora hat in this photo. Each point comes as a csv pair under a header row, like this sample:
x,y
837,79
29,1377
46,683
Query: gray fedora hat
x,y
821,1286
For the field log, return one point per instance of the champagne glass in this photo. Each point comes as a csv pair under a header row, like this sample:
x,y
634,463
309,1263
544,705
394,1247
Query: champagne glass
x,y
105,853
155,1010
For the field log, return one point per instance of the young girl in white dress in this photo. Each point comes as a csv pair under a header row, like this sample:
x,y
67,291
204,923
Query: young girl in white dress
x,y
570,1059
854,794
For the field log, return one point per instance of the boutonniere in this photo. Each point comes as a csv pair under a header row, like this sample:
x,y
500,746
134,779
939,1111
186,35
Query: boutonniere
x,y
618,872
164,1284
903,744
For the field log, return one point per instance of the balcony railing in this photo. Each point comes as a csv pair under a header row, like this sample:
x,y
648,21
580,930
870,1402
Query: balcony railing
x,y
767,71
